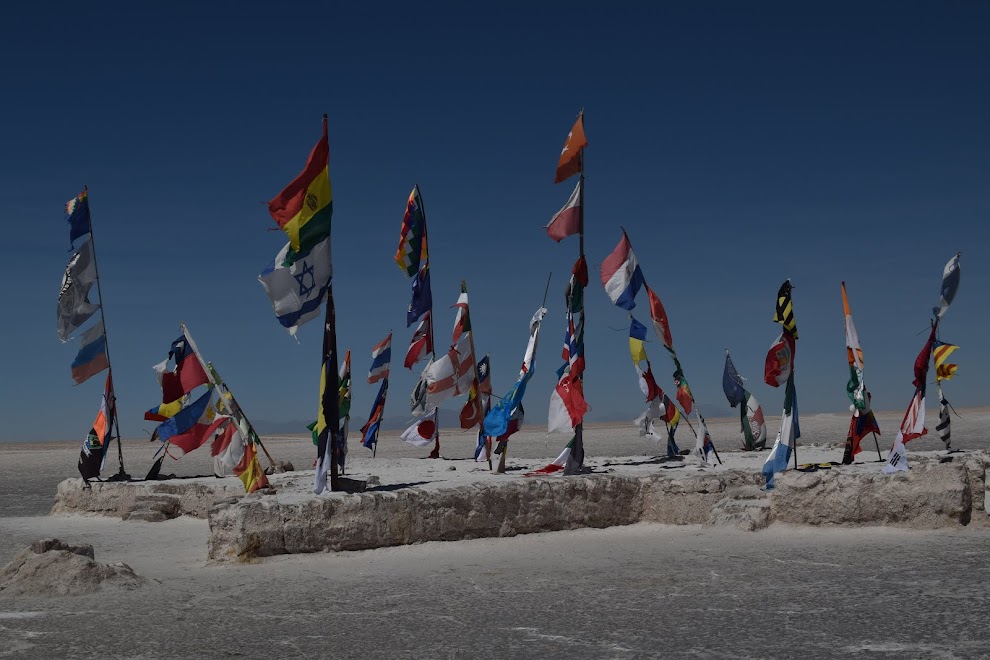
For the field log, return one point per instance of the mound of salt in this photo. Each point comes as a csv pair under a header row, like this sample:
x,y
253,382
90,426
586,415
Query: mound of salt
x,y
52,568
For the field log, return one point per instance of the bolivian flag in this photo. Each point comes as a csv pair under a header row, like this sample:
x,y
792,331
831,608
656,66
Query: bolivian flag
x,y
303,210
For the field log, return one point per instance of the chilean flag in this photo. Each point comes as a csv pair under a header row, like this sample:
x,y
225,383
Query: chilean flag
x,y
621,275
381,357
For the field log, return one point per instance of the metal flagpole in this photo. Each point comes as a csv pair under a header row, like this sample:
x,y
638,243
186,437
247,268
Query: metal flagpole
x,y
578,451
121,475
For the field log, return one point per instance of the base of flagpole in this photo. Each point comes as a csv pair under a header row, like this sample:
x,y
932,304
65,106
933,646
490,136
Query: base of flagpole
x,y
348,485
120,476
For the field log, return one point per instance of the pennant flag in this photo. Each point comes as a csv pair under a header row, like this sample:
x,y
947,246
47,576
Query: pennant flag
x,y
621,275
381,358
92,356
412,252
941,353
787,437
422,296
732,383
304,209
94,448
944,427
570,162
780,361
637,335
784,313
497,421
73,297
660,323
77,215
856,388
297,283
369,432
567,222
187,375
422,341
950,285
423,431
558,463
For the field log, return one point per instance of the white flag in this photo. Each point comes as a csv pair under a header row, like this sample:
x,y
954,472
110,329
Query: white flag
x,y
297,284
897,458
423,431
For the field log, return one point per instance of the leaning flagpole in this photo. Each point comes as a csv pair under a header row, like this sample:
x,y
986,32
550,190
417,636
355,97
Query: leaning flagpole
x,y
121,474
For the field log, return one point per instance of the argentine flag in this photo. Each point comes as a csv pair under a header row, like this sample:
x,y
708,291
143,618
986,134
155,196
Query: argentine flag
x,y
789,432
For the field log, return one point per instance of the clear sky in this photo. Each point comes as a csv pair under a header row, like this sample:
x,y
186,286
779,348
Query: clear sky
x,y
738,143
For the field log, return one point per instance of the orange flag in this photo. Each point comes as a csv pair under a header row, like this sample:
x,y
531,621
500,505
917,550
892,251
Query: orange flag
x,y
570,156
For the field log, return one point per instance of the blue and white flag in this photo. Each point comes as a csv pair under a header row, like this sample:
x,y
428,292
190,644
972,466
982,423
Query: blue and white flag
x,y
950,284
789,432
621,275
297,283
422,296
381,358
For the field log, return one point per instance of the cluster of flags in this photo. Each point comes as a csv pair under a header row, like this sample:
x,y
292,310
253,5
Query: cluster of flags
x,y
863,421
660,408
752,424
779,370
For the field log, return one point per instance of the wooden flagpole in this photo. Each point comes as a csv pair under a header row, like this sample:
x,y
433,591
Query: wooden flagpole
x,y
121,474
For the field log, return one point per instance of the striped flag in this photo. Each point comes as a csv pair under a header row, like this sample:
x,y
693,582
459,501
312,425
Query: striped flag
x,y
567,221
944,427
784,311
621,275
422,341
941,353
856,387
558,463
305,207
369,432
92,356
454,373
381,357
787,437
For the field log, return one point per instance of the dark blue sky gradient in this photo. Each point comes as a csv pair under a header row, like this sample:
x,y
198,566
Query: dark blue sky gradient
x,y
738,143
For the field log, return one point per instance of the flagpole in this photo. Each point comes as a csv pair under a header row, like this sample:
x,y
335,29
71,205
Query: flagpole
x,y
121,475
436,443
578,450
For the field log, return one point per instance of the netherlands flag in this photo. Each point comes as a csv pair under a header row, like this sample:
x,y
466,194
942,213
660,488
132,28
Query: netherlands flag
x,y
381,357
621,275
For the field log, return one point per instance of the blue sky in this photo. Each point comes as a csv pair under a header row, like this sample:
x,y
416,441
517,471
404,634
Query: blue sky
x,y
738,144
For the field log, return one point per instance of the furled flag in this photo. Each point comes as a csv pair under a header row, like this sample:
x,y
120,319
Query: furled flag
x,y
422,341
77,215
422,296
941,352
472,413
185,376
787,437
73,304
369,432
94,447
482,450
944,427
572,155
950,285
343,407
192,426
621,275
412,252
381,357
238,455
423,431
558,463
567,403
784,312
862,424
751,420
304,209
496,422
660,323
453,374
92,356
297,283
913,423
780,361
567,221
856,387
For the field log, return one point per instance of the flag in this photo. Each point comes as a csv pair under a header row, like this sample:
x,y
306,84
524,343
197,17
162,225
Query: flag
x,y
950,285
484,441
921,362
422,296
856,388
369,432
412,252
484,381
703,445
191,427
861,425
732,383
784,312
73,303
637,335
249,470
423,431
297,283
944,427
683,394
304,209
912,426
186,375
558,463
567,221
780,361
787,437
648,383
92,356
228,446
941,353
421,343
621,275
571,156
496,422
381,357
344,395
754,426
567,403
94,447
660,323
164,411
453,374
77,215
897,458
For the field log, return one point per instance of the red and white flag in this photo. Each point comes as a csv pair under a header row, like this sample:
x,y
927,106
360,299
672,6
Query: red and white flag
x,y
454,373
423,431
422,341
567,222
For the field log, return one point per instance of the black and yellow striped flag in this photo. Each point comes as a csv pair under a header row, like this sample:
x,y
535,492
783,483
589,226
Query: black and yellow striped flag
x,y
784,313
